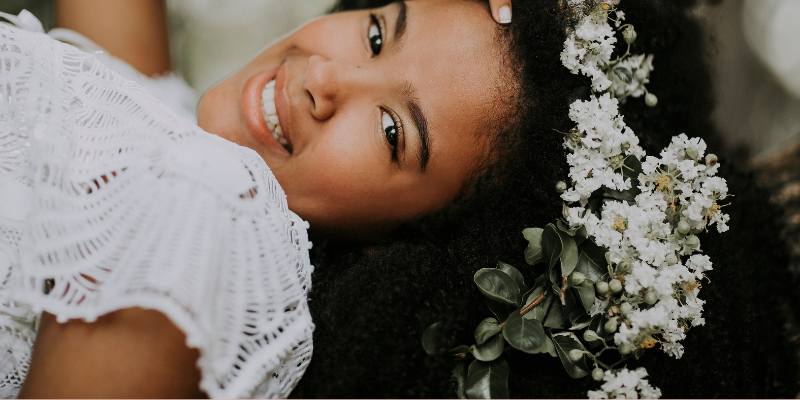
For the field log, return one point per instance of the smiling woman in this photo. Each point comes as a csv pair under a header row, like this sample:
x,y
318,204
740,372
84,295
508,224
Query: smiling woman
x,y
373,128
149,255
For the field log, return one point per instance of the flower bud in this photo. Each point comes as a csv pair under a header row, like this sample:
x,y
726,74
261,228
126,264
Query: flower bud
x,y
683,227
624,267
625,308
629,34
611,325
625,348
641,74
597,374
615,285
692,153
651,100
693,242
711,159
577,278
575,355
561,186
590,336
671,259
601,287
650,297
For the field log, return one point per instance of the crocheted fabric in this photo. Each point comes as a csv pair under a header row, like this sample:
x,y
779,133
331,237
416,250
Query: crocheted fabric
x,y
110,200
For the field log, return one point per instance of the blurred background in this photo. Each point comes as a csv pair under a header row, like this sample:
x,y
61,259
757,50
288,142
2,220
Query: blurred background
x,y
755,54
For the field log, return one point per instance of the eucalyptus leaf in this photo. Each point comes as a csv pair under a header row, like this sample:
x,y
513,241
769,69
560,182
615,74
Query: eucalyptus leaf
x,y
514,273
524,334
432,340
460,376
533,253
490,350
551,245
487,380
564,342
486,329
498,286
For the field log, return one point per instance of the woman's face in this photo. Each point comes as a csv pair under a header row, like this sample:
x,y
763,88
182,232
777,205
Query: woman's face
x,y
369,118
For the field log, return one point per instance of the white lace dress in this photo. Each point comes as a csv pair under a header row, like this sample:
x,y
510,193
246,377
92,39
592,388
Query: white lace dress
x,y
109,200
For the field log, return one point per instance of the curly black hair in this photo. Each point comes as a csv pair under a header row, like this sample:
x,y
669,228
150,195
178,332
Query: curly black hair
x,y
371,302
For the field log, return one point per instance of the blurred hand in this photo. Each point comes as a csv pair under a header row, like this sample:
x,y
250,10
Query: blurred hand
x,y
501,11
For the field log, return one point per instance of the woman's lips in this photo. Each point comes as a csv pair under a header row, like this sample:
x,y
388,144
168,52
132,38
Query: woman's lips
x,y
253,113
281,107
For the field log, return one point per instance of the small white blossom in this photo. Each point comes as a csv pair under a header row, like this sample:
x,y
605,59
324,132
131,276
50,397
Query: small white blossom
x,y
625,383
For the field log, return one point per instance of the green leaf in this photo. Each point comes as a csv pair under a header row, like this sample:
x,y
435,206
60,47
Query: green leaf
x,y
487,380
563,227
460,376
486,329
590,268
555,314
564,342
551,245
585,292
498,286
514,273
432,340
569,253
533,253
524,334
490,350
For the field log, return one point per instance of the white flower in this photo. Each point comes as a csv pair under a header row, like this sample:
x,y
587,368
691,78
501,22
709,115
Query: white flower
x,y
625,383
629,76
588,49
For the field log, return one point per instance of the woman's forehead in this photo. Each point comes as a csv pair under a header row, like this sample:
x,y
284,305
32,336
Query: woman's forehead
x,y
451,55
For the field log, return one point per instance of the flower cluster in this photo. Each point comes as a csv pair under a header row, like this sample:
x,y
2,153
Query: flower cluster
x,y
629,384
623,267
651,208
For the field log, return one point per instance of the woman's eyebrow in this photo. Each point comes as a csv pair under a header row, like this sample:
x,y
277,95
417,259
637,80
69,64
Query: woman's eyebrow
x,y
400,24
421,122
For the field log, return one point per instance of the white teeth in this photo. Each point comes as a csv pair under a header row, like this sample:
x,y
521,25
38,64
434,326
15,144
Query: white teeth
x,y
271,115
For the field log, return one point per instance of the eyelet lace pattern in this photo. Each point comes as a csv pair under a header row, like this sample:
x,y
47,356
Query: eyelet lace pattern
x,y
110,200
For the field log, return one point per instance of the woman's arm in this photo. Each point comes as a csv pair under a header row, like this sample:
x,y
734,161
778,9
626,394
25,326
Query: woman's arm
x,y
128,353
132,30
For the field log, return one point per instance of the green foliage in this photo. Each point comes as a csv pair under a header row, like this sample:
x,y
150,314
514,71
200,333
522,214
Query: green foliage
x,y
490,350
533,253
525,334
432,341
496,285
487,380
486,329
514,273
564,342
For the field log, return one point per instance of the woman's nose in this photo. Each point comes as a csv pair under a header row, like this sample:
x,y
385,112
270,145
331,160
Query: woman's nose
x,y
327,82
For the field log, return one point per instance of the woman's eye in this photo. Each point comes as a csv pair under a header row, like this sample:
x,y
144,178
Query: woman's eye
x,y
375,35
391,130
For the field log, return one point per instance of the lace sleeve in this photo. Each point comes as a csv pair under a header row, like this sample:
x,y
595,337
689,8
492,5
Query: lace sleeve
x,y
123,204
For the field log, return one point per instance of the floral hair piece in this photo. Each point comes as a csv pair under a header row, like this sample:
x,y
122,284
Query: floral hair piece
x,y
622,267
